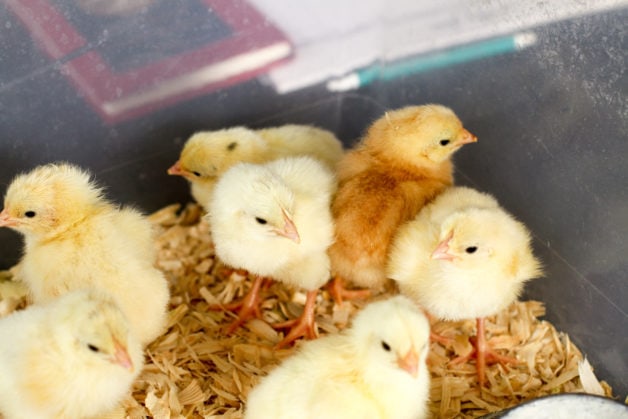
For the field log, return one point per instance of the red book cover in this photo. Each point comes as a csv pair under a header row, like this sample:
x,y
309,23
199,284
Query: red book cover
x,y
132,62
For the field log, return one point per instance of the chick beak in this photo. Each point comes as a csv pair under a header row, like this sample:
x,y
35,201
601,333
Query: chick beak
x,y
443,248
6,220
121,356
177,170
466,137
289,230
409,363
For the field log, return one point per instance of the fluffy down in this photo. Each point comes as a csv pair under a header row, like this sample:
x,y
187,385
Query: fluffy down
x,y
74,357
208,154
401,164
374,370
274,220
75,238
463,256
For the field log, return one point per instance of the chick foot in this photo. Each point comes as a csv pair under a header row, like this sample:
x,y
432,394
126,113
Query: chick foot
x,y
303,326
247,308
483,354
435,337
338,291
443,340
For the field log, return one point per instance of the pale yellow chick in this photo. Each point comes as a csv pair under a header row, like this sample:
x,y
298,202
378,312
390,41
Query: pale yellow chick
x,y
373,370
463,257
274,220
75,238
73,357
208,154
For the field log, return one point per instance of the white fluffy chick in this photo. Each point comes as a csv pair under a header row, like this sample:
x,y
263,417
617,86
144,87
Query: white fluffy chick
x,y
208,154
373,370
73,357
75,238
463,257
274,220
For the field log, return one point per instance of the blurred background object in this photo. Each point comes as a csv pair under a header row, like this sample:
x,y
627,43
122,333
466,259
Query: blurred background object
x,y
112,7
128,58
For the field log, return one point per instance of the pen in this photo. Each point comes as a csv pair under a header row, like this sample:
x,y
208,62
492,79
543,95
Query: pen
x,y
432,61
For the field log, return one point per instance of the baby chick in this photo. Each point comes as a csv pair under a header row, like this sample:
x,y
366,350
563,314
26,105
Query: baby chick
x,y
400,165
208,154
463,257
274,220
375,369
75,238
73,357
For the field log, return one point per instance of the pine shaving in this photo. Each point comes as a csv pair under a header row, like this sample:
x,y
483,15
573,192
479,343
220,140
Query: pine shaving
x,y
195,370
590,384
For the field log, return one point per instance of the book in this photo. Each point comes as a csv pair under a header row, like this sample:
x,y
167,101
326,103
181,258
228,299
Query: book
x,y
133,62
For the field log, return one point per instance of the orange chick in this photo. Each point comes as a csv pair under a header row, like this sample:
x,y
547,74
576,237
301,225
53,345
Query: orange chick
x,y
402,163
208,154
75,238
463,257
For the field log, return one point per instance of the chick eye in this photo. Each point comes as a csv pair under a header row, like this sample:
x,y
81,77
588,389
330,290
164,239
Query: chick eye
x,y
386,346
444,142
197,174
471,249
260,220
30,214
231,146
92,348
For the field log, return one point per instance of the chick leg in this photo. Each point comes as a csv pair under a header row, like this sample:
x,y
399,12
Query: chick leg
x,y
302,326
484,354
247,307
338,291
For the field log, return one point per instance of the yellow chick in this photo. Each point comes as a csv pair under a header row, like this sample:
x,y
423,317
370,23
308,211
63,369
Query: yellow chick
x,y
208,154
74,238
274,221
463,257
373,370
401,164
73,357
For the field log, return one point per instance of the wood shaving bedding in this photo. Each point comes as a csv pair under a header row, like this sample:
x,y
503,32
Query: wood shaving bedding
x,y
194,370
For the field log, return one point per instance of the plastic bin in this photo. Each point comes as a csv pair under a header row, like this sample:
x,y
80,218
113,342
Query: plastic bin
x,y
552,122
